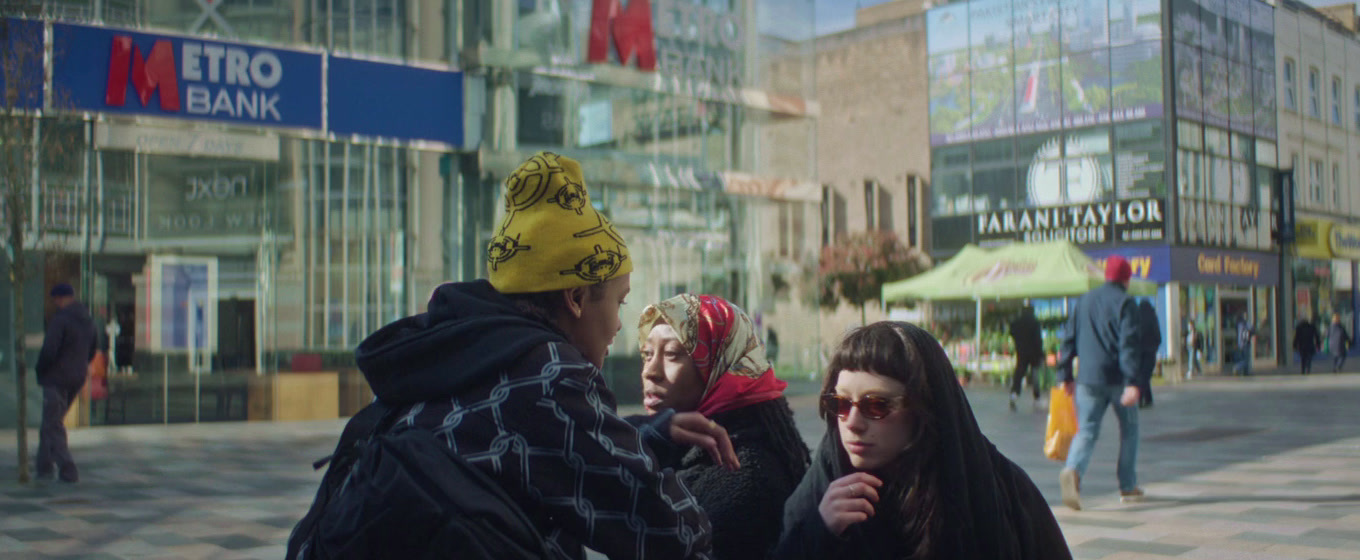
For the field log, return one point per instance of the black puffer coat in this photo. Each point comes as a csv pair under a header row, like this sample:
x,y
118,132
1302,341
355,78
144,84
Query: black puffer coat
x,y
745,506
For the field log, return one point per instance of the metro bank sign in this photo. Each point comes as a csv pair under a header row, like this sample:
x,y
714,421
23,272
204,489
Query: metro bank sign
x,y
112,70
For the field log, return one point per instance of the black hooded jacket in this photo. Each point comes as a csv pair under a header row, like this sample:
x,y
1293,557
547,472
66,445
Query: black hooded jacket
x,y
68,347
991,510
512,397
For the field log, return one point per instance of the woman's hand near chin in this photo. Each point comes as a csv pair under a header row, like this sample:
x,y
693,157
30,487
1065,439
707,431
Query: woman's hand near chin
x,y
849,499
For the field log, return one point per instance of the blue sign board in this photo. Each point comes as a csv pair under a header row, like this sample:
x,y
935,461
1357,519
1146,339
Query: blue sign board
x,y
1149,263
392,100
21,58
119,71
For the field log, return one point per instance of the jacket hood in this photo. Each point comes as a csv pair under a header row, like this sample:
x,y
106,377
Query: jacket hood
x,y
76,310
469,332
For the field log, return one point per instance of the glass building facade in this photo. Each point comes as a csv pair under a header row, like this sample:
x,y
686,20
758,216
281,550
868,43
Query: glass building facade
x,y
1139,128
315,169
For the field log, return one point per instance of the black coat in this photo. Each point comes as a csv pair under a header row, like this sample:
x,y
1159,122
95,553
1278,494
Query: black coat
x,y
989,509
1103,329
68,347
1306,338
507,393
745,506
1149,340
1028,338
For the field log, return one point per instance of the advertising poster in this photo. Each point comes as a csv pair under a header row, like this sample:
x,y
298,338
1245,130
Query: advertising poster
x,y
1241,104
1086,88
994,112
1262,36
1135,21
1215,90
951,109
1212,38
1136,81
1038,83
1189,101
1264,107
1236,24
183,303
1185,22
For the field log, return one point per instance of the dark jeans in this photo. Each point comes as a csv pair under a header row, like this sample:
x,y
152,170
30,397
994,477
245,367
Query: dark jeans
x,y
1338,360
52,435
1306,362
1024,369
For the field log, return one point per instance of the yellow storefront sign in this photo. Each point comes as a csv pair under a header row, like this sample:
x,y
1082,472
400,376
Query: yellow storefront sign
x,y
1344,241
1323,239
1312,238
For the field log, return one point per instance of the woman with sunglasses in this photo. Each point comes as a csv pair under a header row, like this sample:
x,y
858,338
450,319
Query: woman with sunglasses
x,y
904,471
703,354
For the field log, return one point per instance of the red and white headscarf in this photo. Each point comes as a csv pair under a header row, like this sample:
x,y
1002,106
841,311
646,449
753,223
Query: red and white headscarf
x,y
725,347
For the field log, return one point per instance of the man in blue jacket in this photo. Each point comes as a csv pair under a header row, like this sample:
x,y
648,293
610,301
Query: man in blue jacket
x,y
1103,330
63,365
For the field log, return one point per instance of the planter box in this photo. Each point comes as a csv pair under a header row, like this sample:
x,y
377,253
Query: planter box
x,y
291,395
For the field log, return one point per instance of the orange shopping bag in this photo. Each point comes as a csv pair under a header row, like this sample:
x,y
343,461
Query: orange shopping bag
x,y
1062,424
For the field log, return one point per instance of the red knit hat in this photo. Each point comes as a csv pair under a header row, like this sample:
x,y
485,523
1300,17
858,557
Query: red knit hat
x,y
1117,269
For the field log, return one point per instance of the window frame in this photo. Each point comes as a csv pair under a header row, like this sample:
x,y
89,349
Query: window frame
x,y
1314,93
1291,101
1336,100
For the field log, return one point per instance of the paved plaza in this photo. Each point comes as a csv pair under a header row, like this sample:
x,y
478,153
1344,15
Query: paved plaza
x,y
1257,468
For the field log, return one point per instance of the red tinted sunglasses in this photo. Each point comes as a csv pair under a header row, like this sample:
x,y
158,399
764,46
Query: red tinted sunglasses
x,y
872,407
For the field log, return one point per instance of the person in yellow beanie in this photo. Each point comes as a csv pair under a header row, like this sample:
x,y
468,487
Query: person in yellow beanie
x,y
503,374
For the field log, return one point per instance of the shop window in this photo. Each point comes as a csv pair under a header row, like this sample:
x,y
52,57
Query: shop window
x,y
1290,102
1314,93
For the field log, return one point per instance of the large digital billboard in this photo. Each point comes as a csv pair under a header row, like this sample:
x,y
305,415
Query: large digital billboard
x,y
1224,56
1001,68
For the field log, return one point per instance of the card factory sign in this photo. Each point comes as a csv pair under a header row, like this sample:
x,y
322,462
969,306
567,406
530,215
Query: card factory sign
x,y
1090,223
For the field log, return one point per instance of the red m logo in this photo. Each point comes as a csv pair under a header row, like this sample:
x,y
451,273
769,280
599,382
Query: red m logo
x,y
631,28
155,72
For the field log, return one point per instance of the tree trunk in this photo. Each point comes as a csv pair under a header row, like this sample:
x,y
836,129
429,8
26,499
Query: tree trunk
x,y
16,276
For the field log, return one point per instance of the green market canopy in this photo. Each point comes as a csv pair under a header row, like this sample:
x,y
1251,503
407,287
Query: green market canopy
x,y
1016,271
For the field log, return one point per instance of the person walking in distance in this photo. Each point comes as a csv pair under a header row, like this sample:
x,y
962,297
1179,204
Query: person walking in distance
x,y
1029,353
1194,344
1150,340
1103,330
1306,342
63,364
1339,341
1246,336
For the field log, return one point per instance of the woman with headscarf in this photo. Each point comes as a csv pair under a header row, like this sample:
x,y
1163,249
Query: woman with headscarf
x,y
904,471
702,353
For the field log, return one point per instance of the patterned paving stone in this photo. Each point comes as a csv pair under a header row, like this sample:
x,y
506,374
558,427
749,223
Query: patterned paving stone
x,y
1285,487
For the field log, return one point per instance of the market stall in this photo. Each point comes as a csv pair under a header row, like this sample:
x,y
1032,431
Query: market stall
x,y
1019,271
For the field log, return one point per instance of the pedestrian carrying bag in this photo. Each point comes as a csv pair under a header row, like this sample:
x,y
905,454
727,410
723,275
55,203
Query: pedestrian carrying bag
x,y
1062,424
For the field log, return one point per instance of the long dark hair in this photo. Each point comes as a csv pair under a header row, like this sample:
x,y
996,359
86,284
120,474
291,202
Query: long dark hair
x,y
911,497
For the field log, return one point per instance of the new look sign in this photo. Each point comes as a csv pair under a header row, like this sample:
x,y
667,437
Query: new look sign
x,y
122,71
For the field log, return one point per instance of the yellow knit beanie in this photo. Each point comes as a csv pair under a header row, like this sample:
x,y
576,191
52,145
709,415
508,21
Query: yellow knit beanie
x,y
551,237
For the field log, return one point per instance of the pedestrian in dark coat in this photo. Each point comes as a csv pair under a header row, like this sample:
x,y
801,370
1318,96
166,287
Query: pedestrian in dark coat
x,y
505,372
1306,343
1103,330
1338,341
702,353
904,471
1149,341
63,365
1029,352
